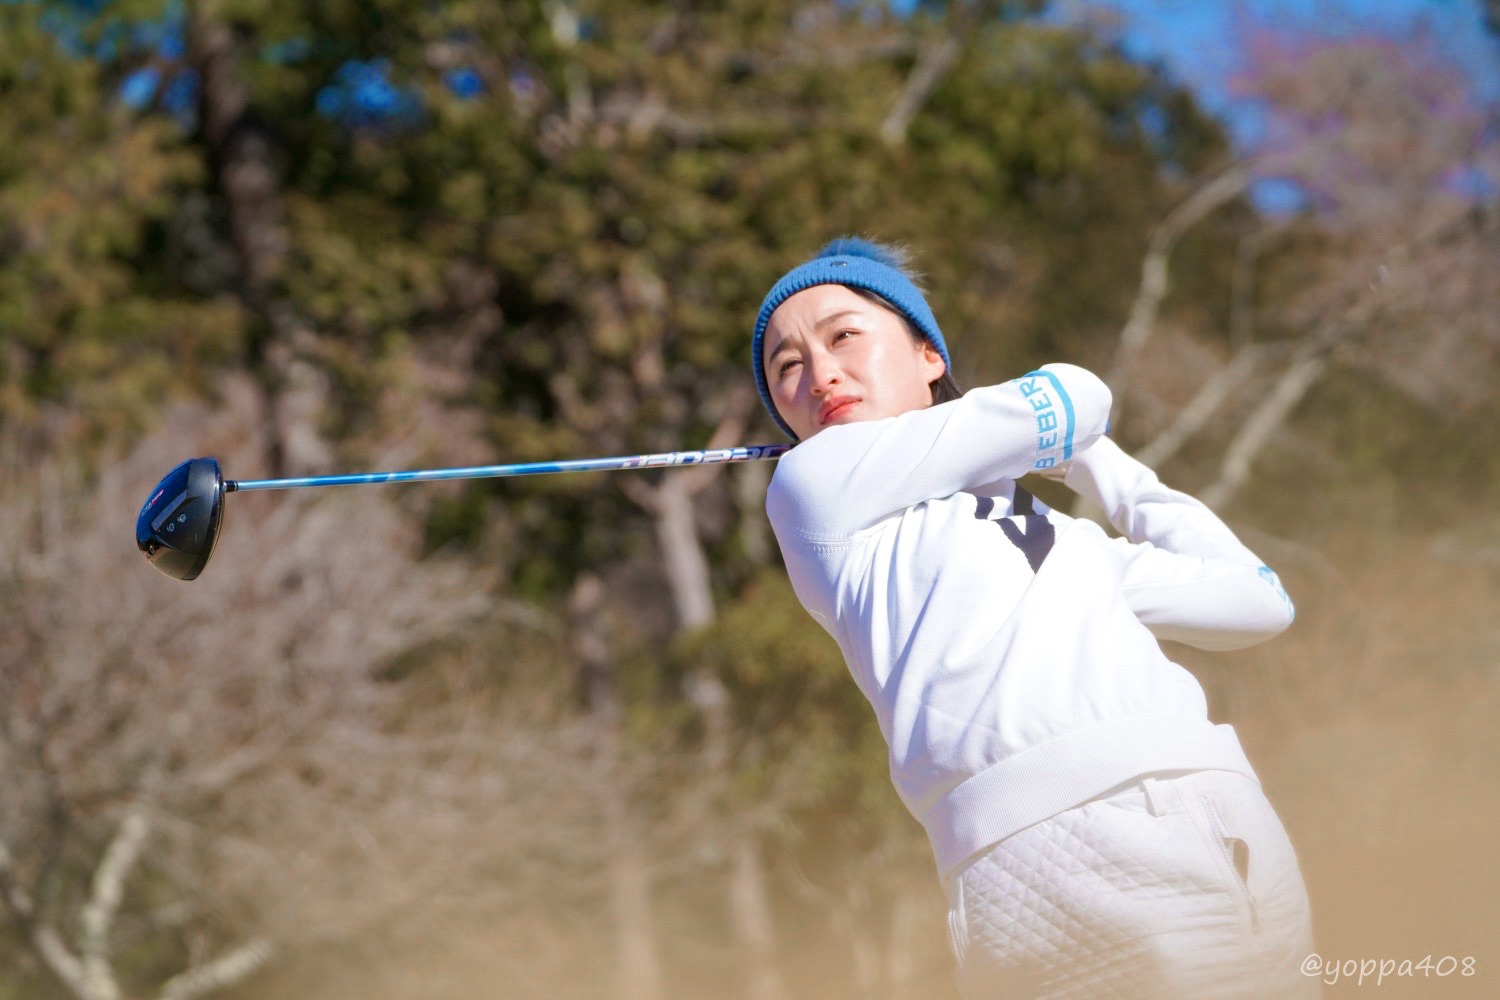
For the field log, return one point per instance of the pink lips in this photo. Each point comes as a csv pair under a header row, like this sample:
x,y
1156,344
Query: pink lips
x,y
833,407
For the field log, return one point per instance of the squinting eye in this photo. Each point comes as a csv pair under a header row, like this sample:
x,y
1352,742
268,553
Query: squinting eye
x,y
786,366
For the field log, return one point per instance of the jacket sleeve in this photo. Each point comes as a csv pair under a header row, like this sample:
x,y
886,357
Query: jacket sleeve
x,y
1187,577
852,476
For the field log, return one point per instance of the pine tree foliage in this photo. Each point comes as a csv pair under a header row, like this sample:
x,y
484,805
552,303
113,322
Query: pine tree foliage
x,y
538,229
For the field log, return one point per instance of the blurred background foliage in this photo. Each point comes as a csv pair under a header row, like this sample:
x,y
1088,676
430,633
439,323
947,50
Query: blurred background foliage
x,y
573,736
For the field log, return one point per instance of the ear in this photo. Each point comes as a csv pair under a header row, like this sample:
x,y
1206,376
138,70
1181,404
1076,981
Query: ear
x,y
932,362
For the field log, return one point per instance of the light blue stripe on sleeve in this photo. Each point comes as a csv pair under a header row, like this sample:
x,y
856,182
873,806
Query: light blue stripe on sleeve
x,y
1067,403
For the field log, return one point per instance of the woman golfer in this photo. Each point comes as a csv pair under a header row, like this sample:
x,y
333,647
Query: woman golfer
x,y
1098,835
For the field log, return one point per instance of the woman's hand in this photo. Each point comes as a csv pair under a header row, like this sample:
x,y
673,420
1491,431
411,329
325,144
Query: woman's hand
x,y
1058,472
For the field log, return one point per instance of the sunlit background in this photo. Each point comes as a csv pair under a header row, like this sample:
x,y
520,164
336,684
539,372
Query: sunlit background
x,y
573,736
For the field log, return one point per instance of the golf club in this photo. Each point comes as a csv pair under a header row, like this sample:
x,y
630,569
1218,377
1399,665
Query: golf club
x,y
178,526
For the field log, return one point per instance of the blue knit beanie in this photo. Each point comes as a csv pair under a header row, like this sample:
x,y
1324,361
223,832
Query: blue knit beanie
x,y
856,263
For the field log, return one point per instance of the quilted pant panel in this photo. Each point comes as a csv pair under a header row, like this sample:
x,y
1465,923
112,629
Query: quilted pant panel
x,y
1133,897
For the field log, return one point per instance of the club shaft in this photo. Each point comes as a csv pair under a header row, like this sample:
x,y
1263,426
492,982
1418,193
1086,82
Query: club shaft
x,y
712,456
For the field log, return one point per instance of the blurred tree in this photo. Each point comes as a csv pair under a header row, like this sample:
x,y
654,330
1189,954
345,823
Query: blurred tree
x,y
95,332
810,769
191,792
625,183
1385,271
544,228
242,151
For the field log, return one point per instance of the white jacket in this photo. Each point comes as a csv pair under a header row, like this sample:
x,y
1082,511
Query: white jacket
x,y
1012,657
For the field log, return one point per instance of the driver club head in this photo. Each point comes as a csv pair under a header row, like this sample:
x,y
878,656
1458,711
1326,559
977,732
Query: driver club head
x,y
178,526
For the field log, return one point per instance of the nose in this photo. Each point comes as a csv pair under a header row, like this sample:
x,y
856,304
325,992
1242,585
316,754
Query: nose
x,y
824,374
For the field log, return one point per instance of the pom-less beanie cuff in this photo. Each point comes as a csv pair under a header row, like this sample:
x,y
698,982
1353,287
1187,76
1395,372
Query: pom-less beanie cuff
x,y
857,264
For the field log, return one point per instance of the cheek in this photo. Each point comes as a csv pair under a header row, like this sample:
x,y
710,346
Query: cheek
x,y
785,391
896,375
906,381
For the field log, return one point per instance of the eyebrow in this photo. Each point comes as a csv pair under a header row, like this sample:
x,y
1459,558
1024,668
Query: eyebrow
x,y
783,345
830,318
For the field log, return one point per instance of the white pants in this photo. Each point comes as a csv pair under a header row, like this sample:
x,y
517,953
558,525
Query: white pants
x,y
1177,885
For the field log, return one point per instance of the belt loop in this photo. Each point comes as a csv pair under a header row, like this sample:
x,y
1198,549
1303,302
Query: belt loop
x,y
1154,800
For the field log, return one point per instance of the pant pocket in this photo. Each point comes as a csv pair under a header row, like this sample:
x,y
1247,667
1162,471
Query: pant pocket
x,y
1235,853
958,925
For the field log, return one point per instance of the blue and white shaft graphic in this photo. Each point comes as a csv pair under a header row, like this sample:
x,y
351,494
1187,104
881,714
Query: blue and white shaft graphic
x,y
712,456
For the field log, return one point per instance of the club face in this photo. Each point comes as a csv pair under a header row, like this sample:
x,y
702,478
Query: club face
x,y
178,526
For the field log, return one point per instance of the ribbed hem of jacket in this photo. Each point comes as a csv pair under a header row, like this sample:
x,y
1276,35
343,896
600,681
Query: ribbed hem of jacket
x,y
1041,781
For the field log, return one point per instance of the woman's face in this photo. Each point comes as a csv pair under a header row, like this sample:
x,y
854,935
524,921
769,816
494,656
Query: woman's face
x,y
834,357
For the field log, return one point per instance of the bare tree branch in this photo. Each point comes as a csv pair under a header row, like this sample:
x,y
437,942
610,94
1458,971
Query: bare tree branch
x,y
931,67
229,969
935,63
1192,418
730,430
647,114
15,897
287,783
1306,366
641,493
750,484
104,902
687,566
566,28
49,944
44,938
1242,282
1308,363
671,504
1224,187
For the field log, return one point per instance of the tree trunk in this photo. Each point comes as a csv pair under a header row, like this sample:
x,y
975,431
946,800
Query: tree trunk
x,y
682,553
671,506
754,927
751,480
749,896
908,916
864,951
242,150
630,900
628,884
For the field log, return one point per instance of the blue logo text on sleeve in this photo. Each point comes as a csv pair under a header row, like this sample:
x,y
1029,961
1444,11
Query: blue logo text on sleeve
x,y
1034,390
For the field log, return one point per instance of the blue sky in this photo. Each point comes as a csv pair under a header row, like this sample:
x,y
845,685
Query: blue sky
x,y
1199,43
1196,39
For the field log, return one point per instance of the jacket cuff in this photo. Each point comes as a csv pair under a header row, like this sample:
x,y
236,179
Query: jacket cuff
x,y
1105,475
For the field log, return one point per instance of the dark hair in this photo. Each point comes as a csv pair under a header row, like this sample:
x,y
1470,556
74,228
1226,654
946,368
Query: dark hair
x,y
945,389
